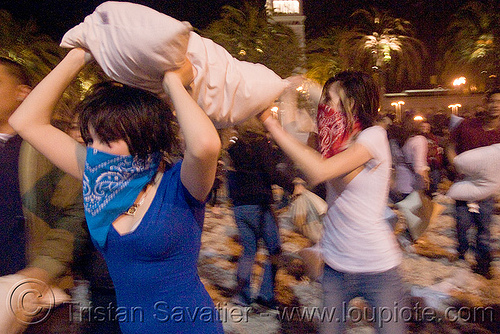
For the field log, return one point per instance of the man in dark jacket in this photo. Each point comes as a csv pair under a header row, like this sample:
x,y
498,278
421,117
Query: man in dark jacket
x,y
250,183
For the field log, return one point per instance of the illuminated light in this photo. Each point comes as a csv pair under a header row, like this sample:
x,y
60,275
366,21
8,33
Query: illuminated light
x,y
242,53
418,118
459,81
397,107
299,89
286,7
275,112
86,84
454,108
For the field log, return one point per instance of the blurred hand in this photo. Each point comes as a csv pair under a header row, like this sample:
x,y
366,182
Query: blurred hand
x,y
263,116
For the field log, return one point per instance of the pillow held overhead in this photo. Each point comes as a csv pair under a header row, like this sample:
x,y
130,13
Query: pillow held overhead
x,y
135,45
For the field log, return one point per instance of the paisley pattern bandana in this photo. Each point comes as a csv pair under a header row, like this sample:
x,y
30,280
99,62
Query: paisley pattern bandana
x,y
111,184
335,130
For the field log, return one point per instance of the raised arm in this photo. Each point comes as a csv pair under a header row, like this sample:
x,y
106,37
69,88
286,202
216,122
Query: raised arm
x,y
202,142
32,119
310,162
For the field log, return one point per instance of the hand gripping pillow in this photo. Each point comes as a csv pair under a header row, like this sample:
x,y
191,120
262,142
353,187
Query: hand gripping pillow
x,y
135,45
481,166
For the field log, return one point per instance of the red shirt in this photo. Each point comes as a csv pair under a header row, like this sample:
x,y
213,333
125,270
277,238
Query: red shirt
x,y
470,134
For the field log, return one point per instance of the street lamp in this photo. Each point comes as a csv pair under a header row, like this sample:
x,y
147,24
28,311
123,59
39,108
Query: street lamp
x,y
459,81
397,106
454,108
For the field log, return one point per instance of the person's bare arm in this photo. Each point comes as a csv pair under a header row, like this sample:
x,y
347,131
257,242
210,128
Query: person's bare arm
x,y
202,142
315,168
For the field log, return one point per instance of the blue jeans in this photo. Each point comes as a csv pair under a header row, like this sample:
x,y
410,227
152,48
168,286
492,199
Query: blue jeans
x,y
255,222
384,292
482,220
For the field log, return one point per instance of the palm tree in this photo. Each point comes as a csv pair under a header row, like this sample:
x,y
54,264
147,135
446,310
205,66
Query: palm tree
x,y
385,46
248,34
20,42
472,43
39,54
322,56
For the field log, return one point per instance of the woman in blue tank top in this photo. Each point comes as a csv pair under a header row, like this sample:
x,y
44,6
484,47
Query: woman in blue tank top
x,y
144,210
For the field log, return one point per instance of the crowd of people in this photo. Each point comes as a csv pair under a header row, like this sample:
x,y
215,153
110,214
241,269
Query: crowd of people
x,y
121,204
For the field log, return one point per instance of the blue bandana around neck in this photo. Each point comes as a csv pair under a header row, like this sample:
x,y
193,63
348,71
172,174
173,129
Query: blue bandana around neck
x,y
111,184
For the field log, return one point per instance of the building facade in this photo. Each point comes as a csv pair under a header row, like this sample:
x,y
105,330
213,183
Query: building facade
x,y
289,13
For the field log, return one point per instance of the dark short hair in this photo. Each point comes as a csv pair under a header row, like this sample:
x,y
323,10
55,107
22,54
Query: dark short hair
x,y
17,70
362,89
140,118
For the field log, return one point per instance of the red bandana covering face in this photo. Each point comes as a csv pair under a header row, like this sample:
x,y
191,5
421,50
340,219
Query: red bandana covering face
x,y
334,130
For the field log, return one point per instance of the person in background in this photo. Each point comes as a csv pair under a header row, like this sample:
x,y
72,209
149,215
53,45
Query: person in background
x,y
215,200
481,130
252,173
409,154
359,249
435,153
411,176
42,218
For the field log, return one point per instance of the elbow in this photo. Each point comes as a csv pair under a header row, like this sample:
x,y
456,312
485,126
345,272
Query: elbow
x,y
15,123
314,177
208,148
314,180
20,123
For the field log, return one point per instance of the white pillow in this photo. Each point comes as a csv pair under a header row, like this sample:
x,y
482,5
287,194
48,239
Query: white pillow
x,y
227,89
135,45
481,166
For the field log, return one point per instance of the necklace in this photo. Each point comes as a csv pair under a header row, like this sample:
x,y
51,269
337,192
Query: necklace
x,y
134,207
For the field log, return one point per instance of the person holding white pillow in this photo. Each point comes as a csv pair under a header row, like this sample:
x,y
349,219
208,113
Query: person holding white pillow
x,y
468,135
144,210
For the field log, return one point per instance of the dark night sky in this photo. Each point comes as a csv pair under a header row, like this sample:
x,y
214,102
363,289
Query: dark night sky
x,y
429,17
56,16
